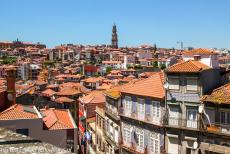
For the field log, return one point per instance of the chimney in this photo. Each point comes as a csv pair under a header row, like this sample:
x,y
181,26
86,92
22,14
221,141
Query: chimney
x,y
11,92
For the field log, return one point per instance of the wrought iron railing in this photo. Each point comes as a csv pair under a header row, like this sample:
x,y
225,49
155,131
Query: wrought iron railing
x,y
179,122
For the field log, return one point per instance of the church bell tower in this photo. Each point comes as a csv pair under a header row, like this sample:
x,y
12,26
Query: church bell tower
x,y
114,37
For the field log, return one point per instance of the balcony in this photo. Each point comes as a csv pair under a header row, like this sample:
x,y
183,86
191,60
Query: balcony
x,y
147,118
219,128
112,113
181,123
133,148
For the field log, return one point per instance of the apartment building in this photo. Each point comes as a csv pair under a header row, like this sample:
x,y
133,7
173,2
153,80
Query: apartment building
x,y
112,131
186,82
141,113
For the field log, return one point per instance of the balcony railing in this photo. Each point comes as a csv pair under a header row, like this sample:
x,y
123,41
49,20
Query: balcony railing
x,y
181,123
141,116
219,128
133,147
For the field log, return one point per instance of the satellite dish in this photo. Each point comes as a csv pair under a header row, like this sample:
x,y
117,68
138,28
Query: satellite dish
x,y
201,109
195,145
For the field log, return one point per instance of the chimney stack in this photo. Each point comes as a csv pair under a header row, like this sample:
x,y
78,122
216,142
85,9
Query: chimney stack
x,y
11,92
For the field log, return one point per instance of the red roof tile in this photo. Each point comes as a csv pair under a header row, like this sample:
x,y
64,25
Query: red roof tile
x,y
57,119
68,92
219,95
199,51
150,87
48,93
93,97
18,111
188,66
64,100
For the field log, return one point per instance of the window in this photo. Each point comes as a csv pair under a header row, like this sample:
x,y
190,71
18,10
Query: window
x,y
127,134
174,84
140,138
191,114
128,104
141,106
156,109
191,84
192,118
225,117
154,143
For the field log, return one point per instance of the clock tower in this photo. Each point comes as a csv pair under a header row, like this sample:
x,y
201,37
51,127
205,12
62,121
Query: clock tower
x,y
11,92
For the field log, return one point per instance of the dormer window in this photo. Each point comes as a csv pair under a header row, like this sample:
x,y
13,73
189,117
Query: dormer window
x,y
197,57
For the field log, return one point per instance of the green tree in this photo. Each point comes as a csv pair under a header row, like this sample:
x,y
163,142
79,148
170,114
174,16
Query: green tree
x,y
108,69
162,66
155,64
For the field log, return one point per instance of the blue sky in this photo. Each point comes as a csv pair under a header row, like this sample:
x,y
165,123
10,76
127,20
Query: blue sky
x,y
198,23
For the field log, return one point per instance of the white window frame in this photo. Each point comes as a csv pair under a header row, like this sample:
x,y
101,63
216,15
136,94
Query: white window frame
x,y
127,134
128,104
156,109
154,143
140,138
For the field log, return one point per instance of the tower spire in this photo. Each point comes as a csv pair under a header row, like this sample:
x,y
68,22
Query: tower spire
x,y
114,42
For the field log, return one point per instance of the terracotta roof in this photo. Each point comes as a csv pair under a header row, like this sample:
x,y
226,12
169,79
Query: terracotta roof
x,y
57,119
93,97
150,87
64,100
114,92
219,95
48,92
74,85
68,92
18,111
104,86
188,66
93,79
146,74
199,51
52,86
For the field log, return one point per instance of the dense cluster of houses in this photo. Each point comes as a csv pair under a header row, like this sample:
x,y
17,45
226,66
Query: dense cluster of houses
x,y
105,99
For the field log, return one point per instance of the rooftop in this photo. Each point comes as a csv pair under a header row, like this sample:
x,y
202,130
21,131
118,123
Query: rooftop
x,y
220,95
18,111
199,51
190,66
150,87
57,119
94,97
